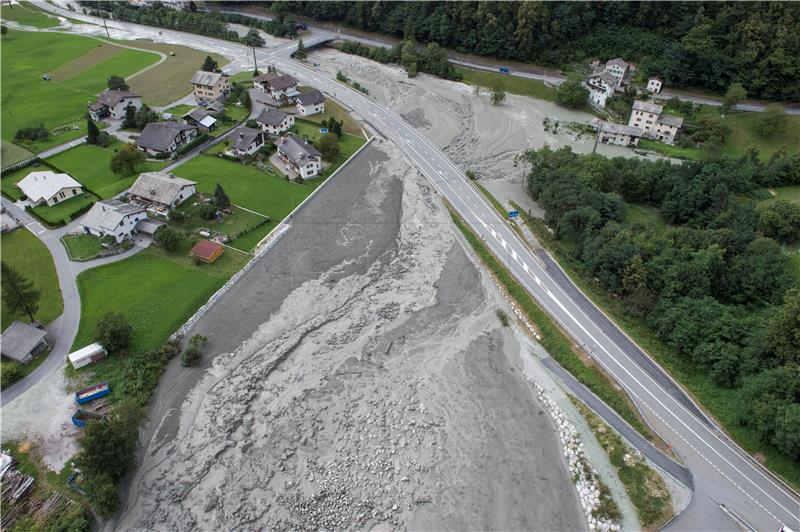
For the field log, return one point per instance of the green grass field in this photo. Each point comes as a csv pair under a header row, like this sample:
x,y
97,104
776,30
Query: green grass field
x,y
513,84
695,154
231,225
157,292
82,247
333,109
169,81
180,110
60,213
10,153
28,15
28,100
647,216
91,166
247,186
23,251
348,145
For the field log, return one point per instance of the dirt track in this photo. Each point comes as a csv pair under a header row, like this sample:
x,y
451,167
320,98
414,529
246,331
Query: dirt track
x,y
361,378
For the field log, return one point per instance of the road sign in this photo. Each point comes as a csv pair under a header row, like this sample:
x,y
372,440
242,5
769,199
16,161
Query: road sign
x,y
323,130
513,214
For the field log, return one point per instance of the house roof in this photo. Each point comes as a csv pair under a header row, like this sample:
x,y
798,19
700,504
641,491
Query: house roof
x,y
206,249
201,77
281,82
310,98
243,137
110,98
670,120
215,107
266,77
622,129
106,215
44,185
197,114
296,150
609,78
159,187
159,135
618,61
648,107
271,117
20,339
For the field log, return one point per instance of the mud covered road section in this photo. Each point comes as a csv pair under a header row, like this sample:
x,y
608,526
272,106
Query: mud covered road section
x,y
360,379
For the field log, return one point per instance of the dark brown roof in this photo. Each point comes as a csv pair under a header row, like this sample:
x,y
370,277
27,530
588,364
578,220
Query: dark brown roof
x,y
310,98
281,82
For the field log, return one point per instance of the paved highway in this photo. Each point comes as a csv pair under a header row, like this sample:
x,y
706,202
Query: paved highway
x,y
723,473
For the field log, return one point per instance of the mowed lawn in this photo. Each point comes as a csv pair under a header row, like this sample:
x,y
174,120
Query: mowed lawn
x,y
10,153
28,255
28,15
169,81
333,109
91,166
246,186
28,100
155,290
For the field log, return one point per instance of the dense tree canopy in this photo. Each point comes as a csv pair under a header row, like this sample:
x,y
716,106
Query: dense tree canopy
x,y
702,44
711,283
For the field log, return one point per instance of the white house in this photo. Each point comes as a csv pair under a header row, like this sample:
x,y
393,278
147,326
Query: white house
x,y
246,141
656,125
280,86
654,85
113,217
112,103
300,156
310,103
163,190
601,87
49,188
274,122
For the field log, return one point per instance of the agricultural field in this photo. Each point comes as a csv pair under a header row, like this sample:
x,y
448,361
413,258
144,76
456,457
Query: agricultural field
x,y
512,84
169,81
23,251
91,166
156,291
79,67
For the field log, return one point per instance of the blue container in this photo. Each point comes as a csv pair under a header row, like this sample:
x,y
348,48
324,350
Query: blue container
x,y
91,393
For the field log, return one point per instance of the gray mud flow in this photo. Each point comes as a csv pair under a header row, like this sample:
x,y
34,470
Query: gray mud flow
x,y
357,377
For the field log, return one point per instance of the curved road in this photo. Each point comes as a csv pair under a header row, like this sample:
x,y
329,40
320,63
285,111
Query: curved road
x,y
723,473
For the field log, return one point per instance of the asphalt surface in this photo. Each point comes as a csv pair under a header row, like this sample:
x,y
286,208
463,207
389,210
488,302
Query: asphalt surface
x,y
721,469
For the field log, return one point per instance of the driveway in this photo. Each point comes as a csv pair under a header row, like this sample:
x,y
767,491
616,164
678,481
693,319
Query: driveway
x,y
65,327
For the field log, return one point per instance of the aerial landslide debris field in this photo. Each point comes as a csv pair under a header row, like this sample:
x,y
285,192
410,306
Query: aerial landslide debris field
x,y
360,377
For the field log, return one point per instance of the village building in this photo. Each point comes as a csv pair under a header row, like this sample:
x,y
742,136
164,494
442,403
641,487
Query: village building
x,y
608,78
619,134
301,157
22,342
210,86
310,103
113,218
164,138
112,104
281,87
161,189
49,188
650,118
274,122
201,119
206,251
601,87
246,141
654,85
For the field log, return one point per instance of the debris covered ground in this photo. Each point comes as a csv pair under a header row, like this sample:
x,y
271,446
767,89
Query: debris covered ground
x,y
361,378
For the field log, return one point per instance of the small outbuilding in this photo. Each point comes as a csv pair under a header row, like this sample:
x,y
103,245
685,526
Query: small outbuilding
x,y
22,342
206,251
87,355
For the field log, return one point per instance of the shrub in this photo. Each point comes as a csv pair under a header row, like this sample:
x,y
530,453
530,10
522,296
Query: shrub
x,y
299,179
206,211
191,355
9,373
32,133
113,332
177,215
168,238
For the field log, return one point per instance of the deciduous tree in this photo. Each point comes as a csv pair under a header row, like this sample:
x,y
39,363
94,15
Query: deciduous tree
x,y
113,332
117,83
127,160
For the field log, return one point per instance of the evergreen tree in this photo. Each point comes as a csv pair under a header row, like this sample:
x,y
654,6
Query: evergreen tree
x,y
209,65
130,117
301,52
221,199
92,132
18,292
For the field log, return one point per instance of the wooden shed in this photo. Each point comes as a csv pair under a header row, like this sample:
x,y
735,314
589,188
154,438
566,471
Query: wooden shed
x,y
207,251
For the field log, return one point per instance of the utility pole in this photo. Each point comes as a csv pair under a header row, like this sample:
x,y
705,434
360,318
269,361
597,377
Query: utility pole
x,y
255,63
106,27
